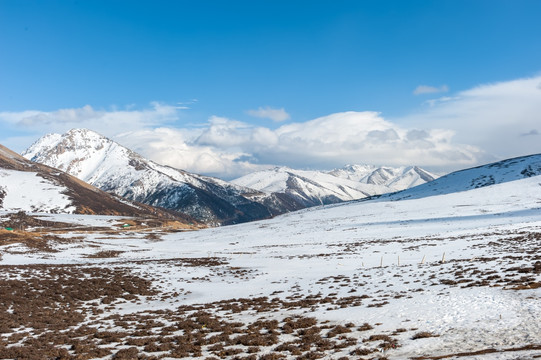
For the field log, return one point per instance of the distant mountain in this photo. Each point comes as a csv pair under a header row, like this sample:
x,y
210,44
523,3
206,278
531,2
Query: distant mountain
x,y
111,167
33,187
395,179
480,176
352,182
308,188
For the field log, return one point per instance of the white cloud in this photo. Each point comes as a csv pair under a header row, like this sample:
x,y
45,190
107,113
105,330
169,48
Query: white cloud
x,y
365,137
425,89
103,121
175,147
491,117
277,115
229,148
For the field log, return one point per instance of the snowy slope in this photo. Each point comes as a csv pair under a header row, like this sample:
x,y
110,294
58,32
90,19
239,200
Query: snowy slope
x,y
481,176
461,266
111,167
34,187
27,191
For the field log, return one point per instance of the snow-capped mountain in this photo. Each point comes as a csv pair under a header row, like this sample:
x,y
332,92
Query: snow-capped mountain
x,y
111,167
395,179
308,188
352,182
477,177
33,187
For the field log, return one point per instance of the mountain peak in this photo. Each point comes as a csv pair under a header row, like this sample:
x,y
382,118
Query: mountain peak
x,y
69,151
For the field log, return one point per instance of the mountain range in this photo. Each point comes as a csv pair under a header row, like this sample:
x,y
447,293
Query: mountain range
x,y
396,179
114,168
310,188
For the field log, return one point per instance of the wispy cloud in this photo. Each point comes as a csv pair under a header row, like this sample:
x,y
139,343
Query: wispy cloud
x,y
277,115
532,132
184,105
425,89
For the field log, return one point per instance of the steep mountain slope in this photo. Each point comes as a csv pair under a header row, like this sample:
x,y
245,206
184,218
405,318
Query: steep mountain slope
x,y
111,167
477,177
308,188
29,186
394,178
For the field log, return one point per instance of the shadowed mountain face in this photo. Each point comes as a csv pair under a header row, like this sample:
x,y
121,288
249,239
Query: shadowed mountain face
x,y
29,186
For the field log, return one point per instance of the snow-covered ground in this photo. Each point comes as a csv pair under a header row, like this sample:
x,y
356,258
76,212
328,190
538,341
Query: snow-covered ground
x,y
464,267
27,191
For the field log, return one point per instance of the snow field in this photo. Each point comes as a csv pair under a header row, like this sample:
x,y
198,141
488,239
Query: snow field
x,y
467,299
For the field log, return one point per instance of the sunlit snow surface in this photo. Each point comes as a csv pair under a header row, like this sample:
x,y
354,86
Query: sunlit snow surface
x,y
27,191
379,245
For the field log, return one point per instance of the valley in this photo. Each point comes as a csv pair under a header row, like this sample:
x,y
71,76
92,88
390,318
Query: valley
x,y
456,275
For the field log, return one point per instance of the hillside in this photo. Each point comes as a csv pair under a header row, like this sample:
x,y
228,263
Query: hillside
x,y
33,187
477,177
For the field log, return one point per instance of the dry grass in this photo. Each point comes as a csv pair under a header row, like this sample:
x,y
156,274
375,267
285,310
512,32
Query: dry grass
x,y
43,307
423,335
53,301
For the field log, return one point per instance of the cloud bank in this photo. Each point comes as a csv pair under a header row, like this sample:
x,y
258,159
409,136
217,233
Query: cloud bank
x,y
230,148
489,122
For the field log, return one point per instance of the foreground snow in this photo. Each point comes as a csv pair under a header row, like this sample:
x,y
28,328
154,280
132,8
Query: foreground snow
x,y
445,264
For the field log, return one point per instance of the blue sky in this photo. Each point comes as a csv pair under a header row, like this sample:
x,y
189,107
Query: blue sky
x,y
230,80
